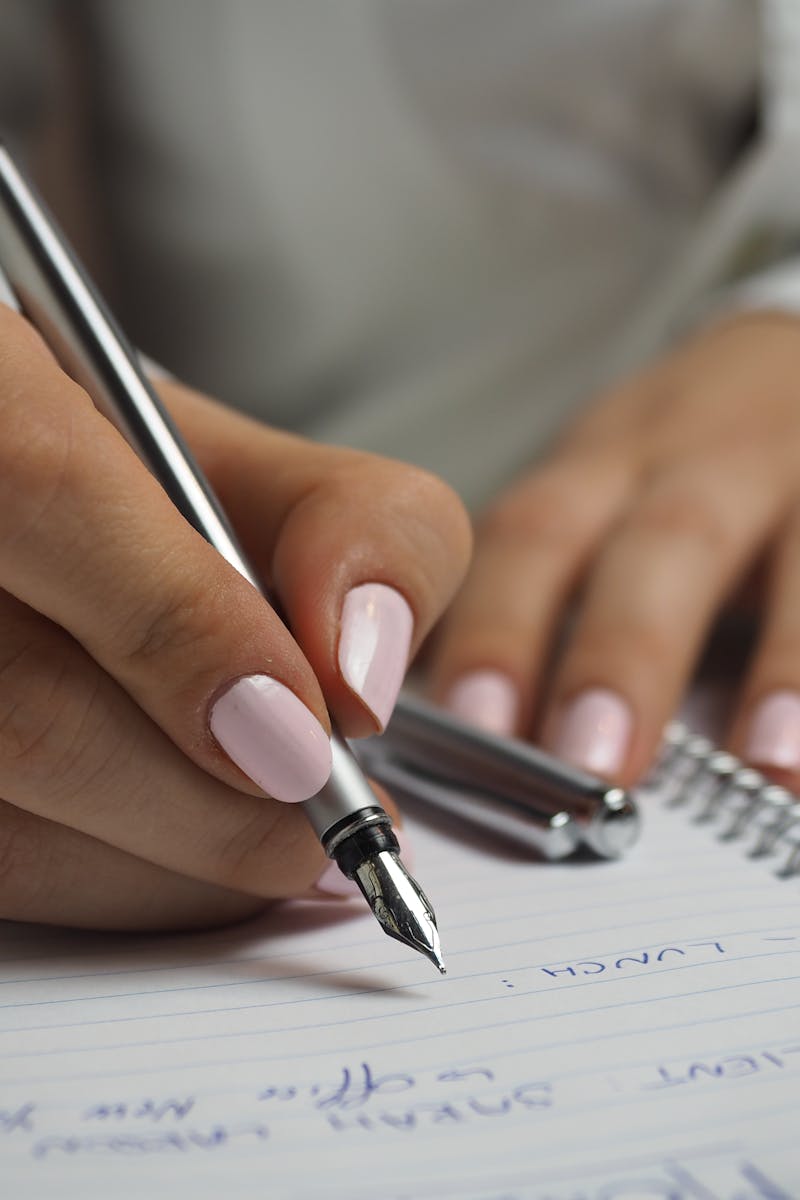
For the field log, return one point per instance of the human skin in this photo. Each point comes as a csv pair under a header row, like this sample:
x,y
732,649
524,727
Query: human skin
x,y
662,500
120,808
139,672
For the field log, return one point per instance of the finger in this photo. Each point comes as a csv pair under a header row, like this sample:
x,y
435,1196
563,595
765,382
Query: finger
x,y
54,875
76,750
531,548
649,603
89,539
766,728
364,554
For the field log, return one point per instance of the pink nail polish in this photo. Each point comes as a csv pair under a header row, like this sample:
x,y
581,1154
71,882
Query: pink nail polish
x,y
774,736
406,849
273,737
487,699
377,624
333,882
595,732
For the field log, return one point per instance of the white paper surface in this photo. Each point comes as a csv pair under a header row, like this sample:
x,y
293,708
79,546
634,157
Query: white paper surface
x,y
605,1030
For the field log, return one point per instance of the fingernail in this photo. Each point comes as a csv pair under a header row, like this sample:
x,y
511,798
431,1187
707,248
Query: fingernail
x,y
273,737
487,699
377,624
406,849
774,736
334,882
595,732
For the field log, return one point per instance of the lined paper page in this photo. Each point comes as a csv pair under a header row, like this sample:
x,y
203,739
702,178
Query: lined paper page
x,y
605,1030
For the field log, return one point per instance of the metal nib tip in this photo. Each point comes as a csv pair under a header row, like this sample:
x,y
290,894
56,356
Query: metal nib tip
x,y
400,905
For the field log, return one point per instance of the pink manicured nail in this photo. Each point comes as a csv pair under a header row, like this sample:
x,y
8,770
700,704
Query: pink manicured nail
x,y
377,624
487,699
595,731
406,849
334,883
273,737
774,736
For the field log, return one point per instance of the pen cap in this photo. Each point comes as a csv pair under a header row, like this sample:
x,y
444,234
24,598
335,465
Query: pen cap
x,y
551,836
510,773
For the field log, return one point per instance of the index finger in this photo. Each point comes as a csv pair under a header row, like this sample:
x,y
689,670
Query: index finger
x,y
90,540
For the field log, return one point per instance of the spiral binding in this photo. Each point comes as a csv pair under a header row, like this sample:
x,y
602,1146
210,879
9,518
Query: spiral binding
x,y
690,772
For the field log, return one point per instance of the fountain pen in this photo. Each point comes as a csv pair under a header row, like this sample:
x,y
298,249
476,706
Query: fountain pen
x,y
55,293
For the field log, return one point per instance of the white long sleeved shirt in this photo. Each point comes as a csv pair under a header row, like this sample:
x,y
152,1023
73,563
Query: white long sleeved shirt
x,y
419,228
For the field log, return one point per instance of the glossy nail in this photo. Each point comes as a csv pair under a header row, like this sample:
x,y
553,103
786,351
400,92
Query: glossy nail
x,y
595,732
406,849
333,882
773,739
487,699
374,642
273,737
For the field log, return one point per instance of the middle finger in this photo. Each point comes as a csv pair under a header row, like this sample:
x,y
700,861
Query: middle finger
x,y
648,605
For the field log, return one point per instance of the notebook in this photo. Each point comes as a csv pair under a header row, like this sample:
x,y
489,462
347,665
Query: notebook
x,y
605,1030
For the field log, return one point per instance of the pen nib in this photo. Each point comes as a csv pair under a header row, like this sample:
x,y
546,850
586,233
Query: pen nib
x,y
400,905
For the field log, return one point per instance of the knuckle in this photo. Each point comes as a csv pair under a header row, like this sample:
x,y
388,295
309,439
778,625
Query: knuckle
x,y
626,646
545,512
427,492
429,524
251,856
180,615
91,755
239,850
147,634
682,511
647,641
28,711
55,729
58,733
437,518
418,493
37,452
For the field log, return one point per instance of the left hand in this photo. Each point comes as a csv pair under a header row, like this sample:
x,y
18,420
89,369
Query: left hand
x,y
651,512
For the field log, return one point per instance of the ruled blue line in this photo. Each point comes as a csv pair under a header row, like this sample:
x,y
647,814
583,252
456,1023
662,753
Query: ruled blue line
x,y
317,1026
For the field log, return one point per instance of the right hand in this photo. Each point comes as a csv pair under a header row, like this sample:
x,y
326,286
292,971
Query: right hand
x,y
125,638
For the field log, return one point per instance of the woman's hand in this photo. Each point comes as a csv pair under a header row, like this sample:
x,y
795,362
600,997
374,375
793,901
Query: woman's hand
x,y
154,711
650,514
